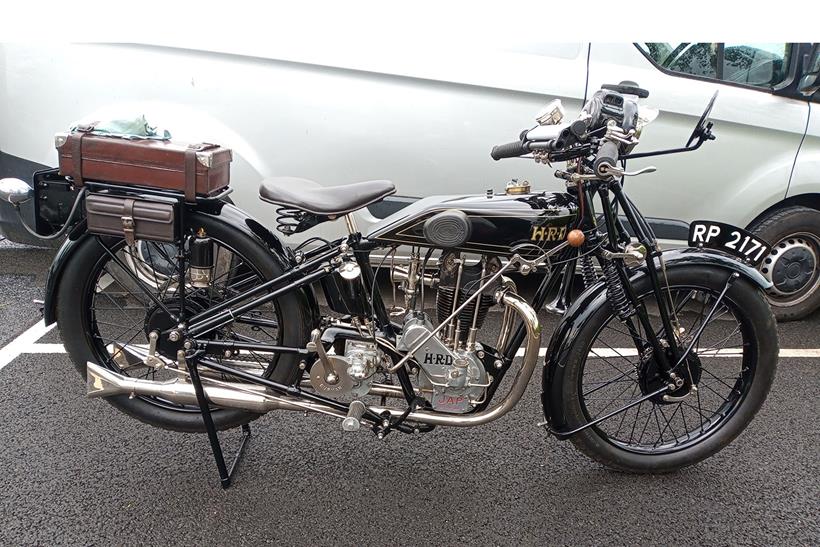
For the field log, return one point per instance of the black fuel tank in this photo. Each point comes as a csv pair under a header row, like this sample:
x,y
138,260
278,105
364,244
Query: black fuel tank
x,y
498,223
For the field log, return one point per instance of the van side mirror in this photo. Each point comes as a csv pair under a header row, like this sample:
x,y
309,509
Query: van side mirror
x,y
810,81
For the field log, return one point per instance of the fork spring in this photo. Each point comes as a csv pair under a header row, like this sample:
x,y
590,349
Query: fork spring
x,y
588,271
615,292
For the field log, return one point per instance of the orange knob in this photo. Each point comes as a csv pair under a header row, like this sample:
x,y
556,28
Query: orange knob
x,y
576,238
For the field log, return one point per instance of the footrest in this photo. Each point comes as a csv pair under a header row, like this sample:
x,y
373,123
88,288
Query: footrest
x,y
353,421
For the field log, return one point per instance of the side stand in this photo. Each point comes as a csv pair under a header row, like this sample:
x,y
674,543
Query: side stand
x,y
225,474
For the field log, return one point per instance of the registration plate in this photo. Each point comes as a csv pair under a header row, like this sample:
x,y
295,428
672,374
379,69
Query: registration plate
x,y
729,239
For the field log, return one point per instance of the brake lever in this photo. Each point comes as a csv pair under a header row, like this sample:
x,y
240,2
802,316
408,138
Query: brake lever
x,y
618,172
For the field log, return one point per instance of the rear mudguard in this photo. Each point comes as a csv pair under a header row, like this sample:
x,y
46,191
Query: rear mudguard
x,y
581,311
226,212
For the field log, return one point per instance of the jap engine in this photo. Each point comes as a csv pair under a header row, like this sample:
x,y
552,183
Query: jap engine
x,y
449,364
453,375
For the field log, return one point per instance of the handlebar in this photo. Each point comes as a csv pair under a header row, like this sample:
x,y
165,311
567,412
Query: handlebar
x,y
509,150
606,158
608,124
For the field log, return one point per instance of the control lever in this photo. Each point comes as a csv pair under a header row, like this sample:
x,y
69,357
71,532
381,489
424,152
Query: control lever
x,y
633,255
618,172
574,178
315,345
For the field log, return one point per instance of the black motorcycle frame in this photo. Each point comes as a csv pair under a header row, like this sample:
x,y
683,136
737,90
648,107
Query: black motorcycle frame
x,y
318,263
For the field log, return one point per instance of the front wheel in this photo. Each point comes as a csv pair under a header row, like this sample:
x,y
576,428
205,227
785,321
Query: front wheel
x,y
732,367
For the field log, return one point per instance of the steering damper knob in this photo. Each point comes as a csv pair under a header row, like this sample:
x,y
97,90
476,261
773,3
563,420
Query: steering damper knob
x,y
576,238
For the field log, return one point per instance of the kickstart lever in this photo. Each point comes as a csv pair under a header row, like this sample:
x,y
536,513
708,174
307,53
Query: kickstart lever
x,y
315,344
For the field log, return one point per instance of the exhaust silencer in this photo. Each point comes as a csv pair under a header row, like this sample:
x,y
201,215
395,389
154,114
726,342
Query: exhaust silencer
x,y
103,382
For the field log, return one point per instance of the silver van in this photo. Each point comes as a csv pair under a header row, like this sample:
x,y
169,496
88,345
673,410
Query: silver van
x,y
427,122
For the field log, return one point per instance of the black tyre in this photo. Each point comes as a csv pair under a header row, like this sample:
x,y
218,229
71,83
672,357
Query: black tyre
x,y
732,368
99,305
793,265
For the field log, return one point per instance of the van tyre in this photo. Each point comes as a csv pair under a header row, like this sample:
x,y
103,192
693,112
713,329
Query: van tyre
x,y
793,265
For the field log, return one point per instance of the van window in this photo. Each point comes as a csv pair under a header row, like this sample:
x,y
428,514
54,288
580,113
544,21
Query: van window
x,y
759,65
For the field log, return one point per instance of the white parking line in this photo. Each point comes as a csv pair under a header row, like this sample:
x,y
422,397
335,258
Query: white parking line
x,y
45,348
27,343
23,343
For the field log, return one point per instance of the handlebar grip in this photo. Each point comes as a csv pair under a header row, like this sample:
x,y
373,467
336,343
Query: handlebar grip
x,y
607,155
509,150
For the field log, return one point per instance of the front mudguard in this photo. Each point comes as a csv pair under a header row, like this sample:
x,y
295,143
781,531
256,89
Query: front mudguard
x,y
226,212
582,310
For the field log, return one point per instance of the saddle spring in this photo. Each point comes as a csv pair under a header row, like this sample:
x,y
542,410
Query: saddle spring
x,y
291,221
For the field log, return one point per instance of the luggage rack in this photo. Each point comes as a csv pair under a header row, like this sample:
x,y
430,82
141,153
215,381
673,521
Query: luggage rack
x,y
157,192
57,199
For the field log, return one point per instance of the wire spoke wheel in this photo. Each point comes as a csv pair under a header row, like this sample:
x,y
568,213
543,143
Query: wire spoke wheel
x,y
622,373
115,295
122,311
721,383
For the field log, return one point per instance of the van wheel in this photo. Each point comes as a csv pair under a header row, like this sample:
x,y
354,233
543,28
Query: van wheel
x,y
793,265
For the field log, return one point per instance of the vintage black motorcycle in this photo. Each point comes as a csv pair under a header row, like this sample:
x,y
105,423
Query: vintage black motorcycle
x,y
661,361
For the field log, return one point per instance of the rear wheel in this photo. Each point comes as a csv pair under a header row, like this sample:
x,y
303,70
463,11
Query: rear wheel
x,y
732,367
101,309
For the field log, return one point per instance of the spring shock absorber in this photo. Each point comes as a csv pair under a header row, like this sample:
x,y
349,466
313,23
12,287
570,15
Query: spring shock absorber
x,y
615,292
588,271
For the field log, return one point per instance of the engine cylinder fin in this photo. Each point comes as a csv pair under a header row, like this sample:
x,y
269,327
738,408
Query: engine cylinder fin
x,y
444,306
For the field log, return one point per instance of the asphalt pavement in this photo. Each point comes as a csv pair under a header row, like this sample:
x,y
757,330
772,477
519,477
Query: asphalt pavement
x,y
76,471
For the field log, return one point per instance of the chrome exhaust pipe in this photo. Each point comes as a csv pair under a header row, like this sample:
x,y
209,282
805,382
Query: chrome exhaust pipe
x,y
102,382
530,318
376,389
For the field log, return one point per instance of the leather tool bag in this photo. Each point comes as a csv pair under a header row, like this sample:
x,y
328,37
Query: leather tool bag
x,y
130,218
198,169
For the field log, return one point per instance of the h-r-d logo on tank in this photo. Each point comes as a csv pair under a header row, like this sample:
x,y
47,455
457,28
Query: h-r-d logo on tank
x,y
548,233
437,359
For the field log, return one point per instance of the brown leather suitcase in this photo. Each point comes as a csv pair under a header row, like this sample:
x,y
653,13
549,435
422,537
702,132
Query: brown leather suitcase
x,y
199,169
